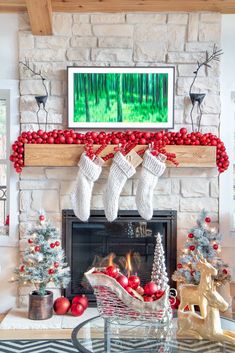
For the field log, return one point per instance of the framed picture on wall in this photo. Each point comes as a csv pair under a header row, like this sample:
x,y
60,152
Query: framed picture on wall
x,y
121,97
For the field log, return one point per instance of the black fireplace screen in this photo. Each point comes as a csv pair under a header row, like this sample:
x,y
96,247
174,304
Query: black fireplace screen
x,y
98,243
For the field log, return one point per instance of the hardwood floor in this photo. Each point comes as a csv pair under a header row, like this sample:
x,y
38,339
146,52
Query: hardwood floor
x,y
34,334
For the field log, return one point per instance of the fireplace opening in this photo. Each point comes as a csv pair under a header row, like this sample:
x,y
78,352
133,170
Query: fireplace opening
x,y
97,243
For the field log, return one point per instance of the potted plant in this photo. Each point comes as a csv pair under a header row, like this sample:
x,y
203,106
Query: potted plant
x,y
43,262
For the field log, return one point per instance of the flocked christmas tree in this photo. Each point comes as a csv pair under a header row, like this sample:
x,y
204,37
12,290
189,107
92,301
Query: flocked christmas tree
x,y
43,260
206,240
159,274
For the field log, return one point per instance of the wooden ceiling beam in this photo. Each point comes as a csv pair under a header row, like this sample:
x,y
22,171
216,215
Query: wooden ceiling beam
x,y
12,6
40,16
40,8
223,6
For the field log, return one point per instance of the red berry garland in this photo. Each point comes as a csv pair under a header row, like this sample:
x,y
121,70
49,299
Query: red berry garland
x,y
126,139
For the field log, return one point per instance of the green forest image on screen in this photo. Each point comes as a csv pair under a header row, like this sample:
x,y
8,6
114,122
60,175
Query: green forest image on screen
x,y
119,97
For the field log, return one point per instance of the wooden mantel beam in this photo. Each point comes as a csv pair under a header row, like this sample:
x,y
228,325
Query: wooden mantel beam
x,y
69,155
40,16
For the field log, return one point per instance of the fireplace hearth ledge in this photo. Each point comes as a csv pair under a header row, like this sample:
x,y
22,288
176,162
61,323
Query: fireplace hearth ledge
x,y
17,319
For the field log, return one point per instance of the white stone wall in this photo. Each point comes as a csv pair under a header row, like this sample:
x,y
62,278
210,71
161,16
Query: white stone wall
x,y
178,39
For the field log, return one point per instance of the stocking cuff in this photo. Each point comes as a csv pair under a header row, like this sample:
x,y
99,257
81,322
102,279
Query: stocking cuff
x,y
123,164
154,165
89,168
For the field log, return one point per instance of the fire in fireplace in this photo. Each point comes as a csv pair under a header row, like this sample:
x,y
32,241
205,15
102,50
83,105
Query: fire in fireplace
x,y
128,242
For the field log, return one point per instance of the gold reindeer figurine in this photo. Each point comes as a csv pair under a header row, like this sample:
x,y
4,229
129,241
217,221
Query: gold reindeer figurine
x,y
207,325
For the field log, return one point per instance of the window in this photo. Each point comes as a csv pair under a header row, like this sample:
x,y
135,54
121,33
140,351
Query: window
x,y
4,164
9,131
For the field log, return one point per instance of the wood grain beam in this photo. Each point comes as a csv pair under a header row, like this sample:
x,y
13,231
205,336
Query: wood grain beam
x,y
12,6
223,6
69,155
40,16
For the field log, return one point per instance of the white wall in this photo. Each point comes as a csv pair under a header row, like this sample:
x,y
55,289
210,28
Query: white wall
x,y
9,24
227,135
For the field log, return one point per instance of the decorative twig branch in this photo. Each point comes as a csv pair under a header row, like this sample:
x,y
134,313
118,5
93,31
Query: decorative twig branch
x,y
41,100
215,55
198,97
27,66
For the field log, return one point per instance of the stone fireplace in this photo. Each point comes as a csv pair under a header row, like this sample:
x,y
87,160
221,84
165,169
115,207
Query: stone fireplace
x,y
175,39
97,241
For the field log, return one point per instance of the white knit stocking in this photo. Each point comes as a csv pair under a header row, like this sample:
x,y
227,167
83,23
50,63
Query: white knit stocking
x,y
152,168
88,173
120,171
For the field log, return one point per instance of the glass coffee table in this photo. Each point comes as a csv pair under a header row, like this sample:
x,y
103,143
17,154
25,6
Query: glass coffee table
x,y
98,335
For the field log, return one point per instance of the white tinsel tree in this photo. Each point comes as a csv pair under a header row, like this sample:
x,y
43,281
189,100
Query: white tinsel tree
x,y
43,260
206,240
159,274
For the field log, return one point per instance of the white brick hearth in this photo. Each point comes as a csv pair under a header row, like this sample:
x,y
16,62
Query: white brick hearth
x,y
120,40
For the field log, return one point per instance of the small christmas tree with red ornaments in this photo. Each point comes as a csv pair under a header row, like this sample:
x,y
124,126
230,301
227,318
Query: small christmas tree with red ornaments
x,y
43,260
205,239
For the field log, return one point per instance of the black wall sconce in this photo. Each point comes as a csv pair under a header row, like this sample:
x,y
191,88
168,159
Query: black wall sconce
x,y
197,98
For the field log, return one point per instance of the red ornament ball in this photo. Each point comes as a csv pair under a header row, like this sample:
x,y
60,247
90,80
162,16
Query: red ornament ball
x,y
134,281
150,288
225,272
111,271
30,241
208,220
51,271
52,245
81,299
56,264
61,306
57,243
22,268
37,248
215,246
62,139
122,280
174,302
179,266
77,309
140,290
159,293
192,247
183,131
148,299
129,290
190,236
41,218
